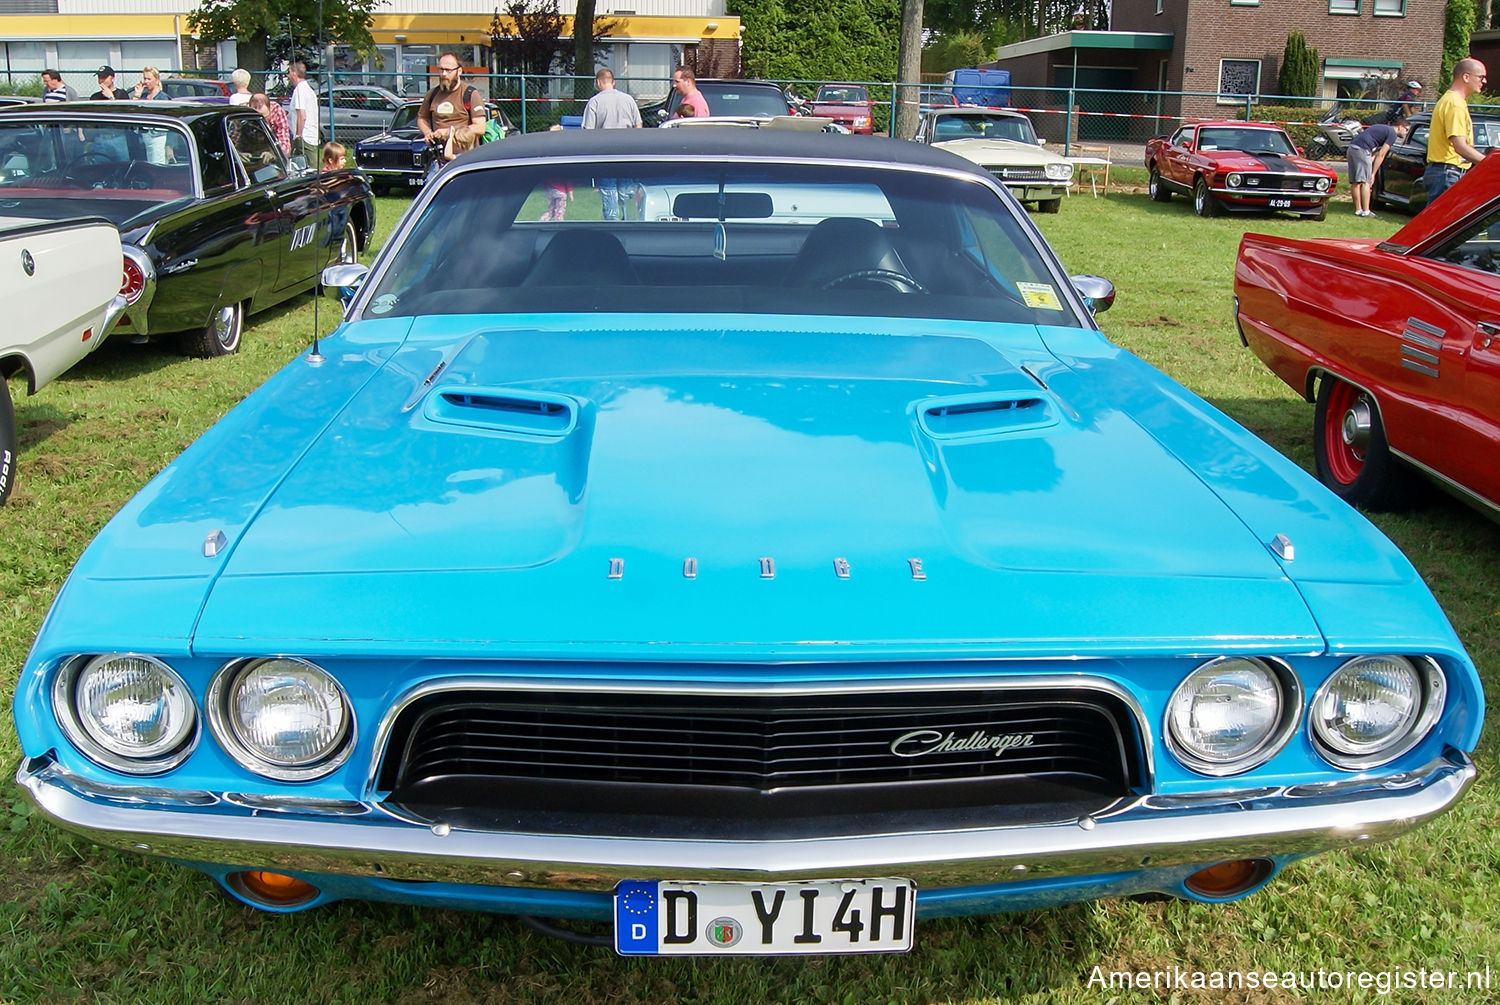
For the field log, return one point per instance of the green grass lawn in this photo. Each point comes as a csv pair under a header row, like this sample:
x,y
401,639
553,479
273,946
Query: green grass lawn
x,y
81,922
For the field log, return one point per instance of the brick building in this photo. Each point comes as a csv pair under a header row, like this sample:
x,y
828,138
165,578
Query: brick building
x,y
1210,56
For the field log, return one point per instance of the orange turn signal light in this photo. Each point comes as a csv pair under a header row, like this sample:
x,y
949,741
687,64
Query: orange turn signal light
x,y
1228,879
274,888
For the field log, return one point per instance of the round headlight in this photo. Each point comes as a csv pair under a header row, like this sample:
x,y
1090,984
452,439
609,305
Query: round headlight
x,y
283,718
1324,184
1059,171
1235,179
1230,715
128,712
1376,708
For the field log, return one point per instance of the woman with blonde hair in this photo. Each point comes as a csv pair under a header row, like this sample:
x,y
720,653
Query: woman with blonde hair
x,y
148,88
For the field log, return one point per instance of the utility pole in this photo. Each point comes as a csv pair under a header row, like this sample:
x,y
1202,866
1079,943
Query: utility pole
x,y
908,70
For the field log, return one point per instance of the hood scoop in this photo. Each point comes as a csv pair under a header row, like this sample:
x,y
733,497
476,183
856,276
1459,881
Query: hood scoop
x,y
504,410
969,416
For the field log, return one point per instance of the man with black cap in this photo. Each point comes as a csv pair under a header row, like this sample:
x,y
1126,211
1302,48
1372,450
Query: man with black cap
x,y
107,90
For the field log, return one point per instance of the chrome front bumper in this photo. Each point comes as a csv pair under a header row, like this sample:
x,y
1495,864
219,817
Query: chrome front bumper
x,y
361,839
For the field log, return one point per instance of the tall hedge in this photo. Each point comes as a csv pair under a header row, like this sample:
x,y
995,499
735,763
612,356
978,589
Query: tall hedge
x,y
1301,71
819,39
1458,26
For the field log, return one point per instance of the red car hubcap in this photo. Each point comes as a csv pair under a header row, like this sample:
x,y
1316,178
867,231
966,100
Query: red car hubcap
x,y
1346,432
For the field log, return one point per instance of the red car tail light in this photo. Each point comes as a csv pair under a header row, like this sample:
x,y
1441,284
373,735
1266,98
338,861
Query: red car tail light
x,y
133,284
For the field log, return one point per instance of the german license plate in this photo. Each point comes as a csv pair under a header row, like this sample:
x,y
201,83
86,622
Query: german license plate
x,y
1281,204
764,919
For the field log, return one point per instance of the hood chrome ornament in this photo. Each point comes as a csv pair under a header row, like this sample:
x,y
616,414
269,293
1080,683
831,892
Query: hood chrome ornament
x,y
214,543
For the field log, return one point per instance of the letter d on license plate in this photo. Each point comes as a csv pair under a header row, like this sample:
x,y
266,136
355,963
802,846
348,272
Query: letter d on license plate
x,y
764,919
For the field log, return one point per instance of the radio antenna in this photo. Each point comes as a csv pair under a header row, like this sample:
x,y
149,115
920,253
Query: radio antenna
x,y
315,357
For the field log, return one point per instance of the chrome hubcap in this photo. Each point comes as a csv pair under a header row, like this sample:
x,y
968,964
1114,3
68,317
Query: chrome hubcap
x,y
1356,426
224,325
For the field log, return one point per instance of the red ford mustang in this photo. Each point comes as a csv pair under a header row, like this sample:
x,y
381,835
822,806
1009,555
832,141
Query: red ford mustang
x,y
1244,167
1397,341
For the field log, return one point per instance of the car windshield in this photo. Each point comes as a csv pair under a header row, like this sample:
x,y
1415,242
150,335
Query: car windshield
x,y
110,159
405,119
719,237
1250,141
987,127
938,98
842,95
737,100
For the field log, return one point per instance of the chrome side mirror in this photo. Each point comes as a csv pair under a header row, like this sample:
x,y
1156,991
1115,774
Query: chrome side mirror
x,y
345,279
1098,293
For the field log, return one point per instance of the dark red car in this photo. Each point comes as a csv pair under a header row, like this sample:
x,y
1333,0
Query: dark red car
x,y
1397,341
1238,166
847,104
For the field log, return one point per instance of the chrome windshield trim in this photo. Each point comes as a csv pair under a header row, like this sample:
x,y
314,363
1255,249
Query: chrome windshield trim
x,y
1150,832
1049,682
426,193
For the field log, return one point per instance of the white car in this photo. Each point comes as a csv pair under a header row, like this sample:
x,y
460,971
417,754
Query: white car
x,y
61,283
1004,144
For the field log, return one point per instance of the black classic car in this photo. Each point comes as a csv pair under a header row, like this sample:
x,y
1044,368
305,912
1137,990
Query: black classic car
x,y
1399,180
399,157
215,222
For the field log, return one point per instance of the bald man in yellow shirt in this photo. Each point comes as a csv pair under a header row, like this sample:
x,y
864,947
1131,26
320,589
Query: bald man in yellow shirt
x,y
1450,143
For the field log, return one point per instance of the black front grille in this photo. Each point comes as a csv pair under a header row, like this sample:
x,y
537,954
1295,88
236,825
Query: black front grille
x,y
386,159
1294,182
501,760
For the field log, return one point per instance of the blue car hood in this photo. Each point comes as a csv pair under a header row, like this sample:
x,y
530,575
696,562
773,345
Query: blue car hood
x,y
756,493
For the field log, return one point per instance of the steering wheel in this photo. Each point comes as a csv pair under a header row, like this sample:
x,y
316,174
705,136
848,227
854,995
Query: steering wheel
x,y
91,157
132,179
900,282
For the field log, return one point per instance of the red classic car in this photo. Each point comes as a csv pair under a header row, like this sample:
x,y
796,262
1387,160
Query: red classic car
x,y
847,104
1397,341
1240,166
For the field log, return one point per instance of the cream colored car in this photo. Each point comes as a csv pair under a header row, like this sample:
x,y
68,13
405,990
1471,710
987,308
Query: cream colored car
x,y
1004,144
60,281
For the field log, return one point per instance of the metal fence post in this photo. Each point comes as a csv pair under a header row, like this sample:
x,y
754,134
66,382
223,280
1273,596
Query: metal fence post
x,y
1248,100
1068,123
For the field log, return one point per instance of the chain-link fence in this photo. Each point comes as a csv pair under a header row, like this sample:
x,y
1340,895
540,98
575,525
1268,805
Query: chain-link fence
x,y
356,101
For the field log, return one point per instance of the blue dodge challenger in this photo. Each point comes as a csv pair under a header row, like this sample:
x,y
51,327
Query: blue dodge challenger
x,y
757,574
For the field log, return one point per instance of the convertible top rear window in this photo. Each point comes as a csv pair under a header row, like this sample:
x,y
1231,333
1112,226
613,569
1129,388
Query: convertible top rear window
x,y
714,237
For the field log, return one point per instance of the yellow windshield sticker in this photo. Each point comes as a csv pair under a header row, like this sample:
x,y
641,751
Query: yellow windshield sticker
x,y
1040,295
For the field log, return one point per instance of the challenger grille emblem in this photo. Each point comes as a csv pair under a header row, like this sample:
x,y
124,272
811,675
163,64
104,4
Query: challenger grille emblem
x,y
921,742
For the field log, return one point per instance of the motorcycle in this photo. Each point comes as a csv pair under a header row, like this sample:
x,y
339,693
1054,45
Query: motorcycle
x,y
1336,130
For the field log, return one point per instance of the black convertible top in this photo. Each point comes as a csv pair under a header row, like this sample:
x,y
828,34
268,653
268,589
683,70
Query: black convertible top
x,y
721,141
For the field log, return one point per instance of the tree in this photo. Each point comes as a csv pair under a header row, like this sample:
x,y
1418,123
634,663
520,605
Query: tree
x,y
583,47
948,52
819,39
305,24
1300,68
1457,27
1005,21
909,70
532,40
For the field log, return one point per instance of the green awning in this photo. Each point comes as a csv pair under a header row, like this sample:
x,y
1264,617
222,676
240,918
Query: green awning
x,y
1150,40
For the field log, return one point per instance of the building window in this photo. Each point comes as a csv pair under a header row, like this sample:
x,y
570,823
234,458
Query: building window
x,y
1238,78
1343,7
1160,5
1390,8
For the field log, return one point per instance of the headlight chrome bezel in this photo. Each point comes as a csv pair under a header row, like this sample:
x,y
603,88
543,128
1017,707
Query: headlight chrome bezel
x,y
66,710
1433,684
1289,715
1235,179
223,725
1058,171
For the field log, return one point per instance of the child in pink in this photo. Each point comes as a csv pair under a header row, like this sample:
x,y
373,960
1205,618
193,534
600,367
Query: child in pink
x,y
558,194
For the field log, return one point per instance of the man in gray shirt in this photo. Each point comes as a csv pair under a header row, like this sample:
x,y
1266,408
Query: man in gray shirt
x,y
611,109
